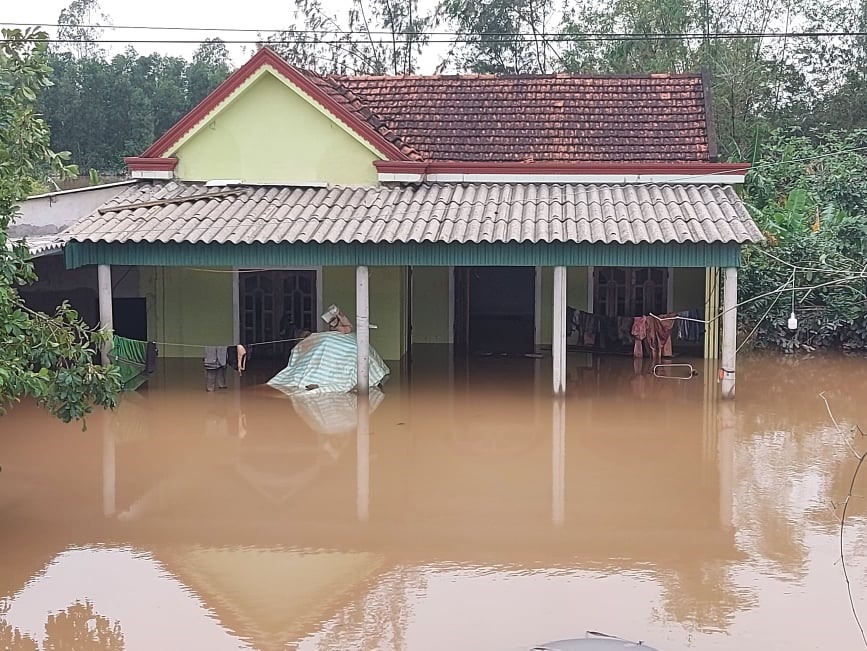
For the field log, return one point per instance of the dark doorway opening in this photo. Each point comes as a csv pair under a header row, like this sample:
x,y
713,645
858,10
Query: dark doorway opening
x,y
495,310
276,306
130,318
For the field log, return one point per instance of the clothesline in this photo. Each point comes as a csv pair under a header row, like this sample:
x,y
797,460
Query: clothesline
x,y
258,343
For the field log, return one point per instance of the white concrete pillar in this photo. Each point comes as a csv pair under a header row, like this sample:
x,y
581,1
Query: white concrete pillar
x,y
362,323
558,463
106,316
729,334
558,342
362,460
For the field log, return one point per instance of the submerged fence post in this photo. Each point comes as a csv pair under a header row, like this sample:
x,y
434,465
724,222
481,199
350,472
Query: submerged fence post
x,y
729,334
362,318
106,315
558,343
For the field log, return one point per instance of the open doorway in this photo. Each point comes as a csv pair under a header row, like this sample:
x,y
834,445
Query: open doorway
x,y
495,310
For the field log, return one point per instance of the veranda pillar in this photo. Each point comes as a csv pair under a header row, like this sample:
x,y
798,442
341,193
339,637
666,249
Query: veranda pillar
x,y
729,333
106,315
362,318
558,343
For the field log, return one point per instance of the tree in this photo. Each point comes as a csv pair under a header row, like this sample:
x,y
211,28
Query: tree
x,y
373,37
809,196
49,358
502,36
132,98
211,65
80,25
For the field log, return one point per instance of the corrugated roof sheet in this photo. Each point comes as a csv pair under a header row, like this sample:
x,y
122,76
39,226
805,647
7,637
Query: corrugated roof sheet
x,y
450,213
43,245
562,117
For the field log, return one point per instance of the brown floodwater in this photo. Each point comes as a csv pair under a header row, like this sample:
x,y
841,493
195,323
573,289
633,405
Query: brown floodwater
x,y
470,512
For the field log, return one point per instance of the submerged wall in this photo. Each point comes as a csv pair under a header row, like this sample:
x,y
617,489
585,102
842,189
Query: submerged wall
x,y
387,304
195,307
186,306
430,305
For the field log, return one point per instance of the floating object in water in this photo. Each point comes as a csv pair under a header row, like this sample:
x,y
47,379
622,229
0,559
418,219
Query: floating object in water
x,y
793,322
593,642
665,376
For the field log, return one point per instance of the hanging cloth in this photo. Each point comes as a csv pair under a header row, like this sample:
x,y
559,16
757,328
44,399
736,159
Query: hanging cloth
x,y
134,359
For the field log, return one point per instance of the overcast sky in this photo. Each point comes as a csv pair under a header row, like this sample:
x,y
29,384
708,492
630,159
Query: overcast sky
x,y
243,14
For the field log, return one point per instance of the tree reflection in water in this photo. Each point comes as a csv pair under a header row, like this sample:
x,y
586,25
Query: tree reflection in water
x,y
78,628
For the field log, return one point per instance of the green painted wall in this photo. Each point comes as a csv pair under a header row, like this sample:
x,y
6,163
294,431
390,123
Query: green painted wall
x,y
430,305
387,309
576,296
269,134
688,289
187,307
195,307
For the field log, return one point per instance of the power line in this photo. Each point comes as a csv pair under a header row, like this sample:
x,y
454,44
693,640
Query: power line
x,y
482,38
389,33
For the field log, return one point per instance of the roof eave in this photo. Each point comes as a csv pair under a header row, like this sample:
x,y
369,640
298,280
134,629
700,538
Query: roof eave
x,y
550,171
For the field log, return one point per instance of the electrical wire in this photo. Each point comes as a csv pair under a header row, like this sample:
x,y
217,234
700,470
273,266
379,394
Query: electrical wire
x,y
472,37
462,39
764,316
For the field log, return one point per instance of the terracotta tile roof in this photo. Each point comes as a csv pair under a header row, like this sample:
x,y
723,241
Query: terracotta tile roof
x,y
346,98
563,118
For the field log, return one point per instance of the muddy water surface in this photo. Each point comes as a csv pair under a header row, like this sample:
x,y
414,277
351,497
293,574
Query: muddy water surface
x,y
475,514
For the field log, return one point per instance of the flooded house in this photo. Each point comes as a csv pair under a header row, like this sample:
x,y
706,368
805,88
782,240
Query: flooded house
x,y
494,215
462,507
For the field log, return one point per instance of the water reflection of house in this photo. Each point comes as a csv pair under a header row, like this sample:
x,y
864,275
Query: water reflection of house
x,y
605,191
472,479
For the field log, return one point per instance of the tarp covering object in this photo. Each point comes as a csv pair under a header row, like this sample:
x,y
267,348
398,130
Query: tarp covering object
x,y
326,362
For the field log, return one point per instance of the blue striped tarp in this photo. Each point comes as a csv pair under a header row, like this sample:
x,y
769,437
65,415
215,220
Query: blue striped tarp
x,y
327,361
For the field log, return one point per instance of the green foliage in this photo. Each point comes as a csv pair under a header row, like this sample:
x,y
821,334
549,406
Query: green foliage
x,y
808,194
503,36
102,110
49,358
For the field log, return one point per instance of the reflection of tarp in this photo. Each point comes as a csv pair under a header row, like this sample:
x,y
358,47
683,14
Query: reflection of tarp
x,y
130,358
326,362
332,413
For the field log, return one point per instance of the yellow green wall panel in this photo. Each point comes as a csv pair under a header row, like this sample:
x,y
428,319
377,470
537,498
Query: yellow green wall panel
x,y
270,134
430,305
387,294
187,306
